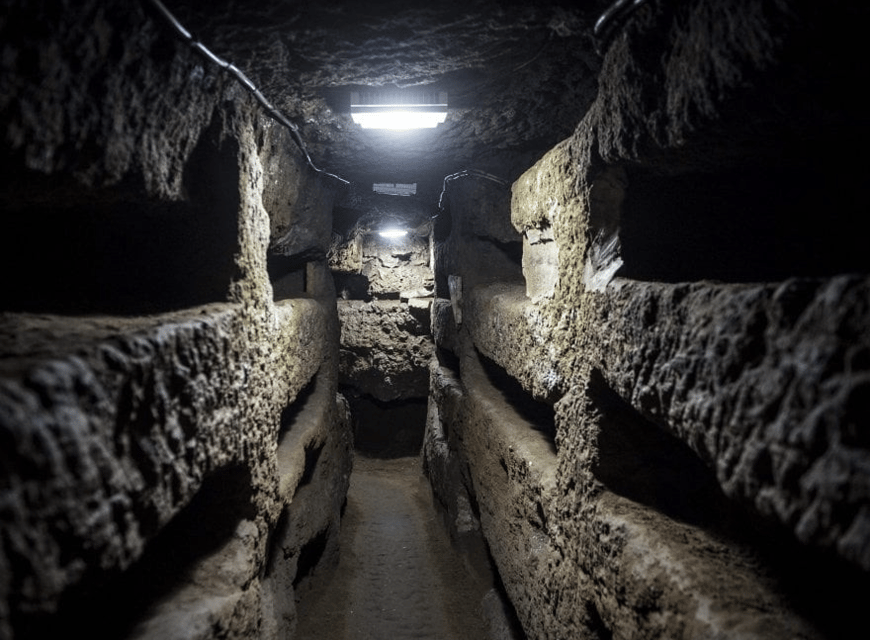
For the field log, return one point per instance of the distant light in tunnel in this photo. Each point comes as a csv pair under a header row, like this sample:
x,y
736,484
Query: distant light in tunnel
x,y
393,233
376,110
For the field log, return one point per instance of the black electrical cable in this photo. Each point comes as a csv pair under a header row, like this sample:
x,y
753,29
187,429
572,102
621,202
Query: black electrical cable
x,y
464,173
612,19
237,73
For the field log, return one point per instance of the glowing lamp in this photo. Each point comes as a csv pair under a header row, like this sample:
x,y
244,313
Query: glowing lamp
x,y
386,110
392,233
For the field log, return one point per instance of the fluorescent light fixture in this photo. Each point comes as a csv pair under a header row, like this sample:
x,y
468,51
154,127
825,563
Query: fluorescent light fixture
x,y
399,120
398,110
392,233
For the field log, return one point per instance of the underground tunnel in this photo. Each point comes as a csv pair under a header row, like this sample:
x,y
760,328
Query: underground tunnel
x,y
584,353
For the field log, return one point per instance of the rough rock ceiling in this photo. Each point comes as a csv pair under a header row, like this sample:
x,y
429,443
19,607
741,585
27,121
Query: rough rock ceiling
x,y
519,76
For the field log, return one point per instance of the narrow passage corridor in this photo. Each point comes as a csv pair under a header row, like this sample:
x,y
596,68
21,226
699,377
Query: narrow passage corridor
x,y
398,577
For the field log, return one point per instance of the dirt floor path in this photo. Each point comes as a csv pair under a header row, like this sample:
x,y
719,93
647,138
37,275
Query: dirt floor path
x,y
398,577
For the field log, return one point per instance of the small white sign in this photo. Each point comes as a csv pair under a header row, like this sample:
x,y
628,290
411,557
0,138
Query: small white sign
x,y
395,188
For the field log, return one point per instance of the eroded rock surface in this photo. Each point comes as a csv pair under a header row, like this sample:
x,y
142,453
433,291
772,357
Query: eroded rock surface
x,y
518,77
385,287
169,432
385,350
631,309
695,339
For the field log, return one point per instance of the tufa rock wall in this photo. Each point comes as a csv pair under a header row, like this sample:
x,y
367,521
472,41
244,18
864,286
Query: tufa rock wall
x,y
385,288
174,451
661,428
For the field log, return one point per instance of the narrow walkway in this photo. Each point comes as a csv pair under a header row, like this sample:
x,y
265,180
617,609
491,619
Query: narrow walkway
x,y
398,577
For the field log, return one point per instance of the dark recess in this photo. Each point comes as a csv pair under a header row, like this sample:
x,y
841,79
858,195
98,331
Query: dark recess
x,y
540,416
312,455
73,250
274,548
638,460
389,429
508,608
109,607
513,251
596,624
291,411
288,275
310,555
130,258
352,286
448,360
742,225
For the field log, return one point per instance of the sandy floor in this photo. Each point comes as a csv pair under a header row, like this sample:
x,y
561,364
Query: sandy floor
x,y
398,577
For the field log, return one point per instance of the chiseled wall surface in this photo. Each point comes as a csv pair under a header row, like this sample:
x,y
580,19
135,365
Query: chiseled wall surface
x,y
174,452
665,441
383,307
